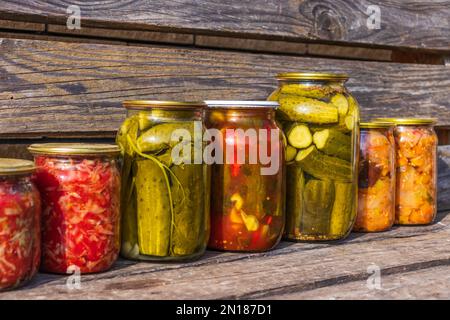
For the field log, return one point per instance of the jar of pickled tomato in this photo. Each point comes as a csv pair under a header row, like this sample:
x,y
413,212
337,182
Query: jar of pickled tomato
x,y
247,190
20,213
416,167
80,189
376,187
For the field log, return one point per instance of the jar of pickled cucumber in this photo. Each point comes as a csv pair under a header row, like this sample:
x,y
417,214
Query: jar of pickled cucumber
x,y
165,182
20,214
376,187
247,182
320,120
416,167
80,188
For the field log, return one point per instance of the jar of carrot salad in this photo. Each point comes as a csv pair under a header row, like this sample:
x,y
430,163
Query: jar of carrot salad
x,y
247,190
416,166
80,189
376,187
20,213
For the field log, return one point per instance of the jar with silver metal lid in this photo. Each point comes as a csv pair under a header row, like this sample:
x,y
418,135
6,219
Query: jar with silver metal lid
x,y
247,181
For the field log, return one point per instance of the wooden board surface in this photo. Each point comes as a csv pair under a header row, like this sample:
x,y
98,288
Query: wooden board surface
x,y
415,24
412,262
57,87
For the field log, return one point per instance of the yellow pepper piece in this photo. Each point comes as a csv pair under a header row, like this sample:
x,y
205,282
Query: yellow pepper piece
x,y
250,221
238,201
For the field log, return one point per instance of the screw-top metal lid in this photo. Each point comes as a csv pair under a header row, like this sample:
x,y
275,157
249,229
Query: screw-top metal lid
x,y
241,104
311,76
408,121
15,166
74,149
148,104
376,125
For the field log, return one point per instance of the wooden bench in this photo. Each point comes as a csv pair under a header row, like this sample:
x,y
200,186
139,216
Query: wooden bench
x,y
61,84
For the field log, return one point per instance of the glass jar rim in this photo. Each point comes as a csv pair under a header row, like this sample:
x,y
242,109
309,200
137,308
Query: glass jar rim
x,y
311,76
10,166
74,149
376,125
163,104
408,121
245,104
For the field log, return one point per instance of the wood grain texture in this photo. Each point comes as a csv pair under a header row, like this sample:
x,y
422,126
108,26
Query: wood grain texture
x,y
415,24
251,44
315,270
443,178
126,35
429,283
58,87
21,25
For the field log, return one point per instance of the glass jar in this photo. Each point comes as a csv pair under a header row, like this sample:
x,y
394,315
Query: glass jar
x,y
20,214
247,190
320,120
165,183
376,187
80,189
416,167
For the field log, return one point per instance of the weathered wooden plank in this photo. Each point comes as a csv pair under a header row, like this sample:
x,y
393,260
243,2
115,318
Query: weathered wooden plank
x,y
293,268
444,178
21,25
429,283
127,35
327,50
293,48
250,44
72,87
417,24
13,150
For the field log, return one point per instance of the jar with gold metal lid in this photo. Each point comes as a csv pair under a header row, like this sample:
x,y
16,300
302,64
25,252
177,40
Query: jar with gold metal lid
x,y
376,187
20,214
165,182
416,168
80,189
320,120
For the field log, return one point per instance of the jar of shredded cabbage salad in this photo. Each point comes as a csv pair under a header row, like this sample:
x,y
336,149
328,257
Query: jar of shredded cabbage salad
x,y
80,189
20,213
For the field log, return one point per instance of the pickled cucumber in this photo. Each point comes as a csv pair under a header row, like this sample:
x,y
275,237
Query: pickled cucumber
x,y
299,136
129,224
352,115
343,208
294,199
322,166
341,102
128,132
145,121
159,137
309,91
333,143
297,108
188,223
153,209
274,95
318,197
291,152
